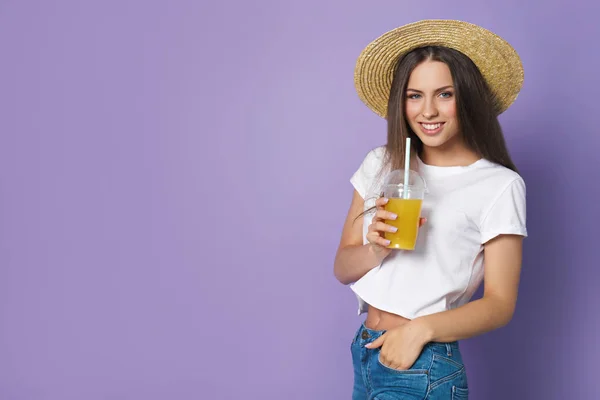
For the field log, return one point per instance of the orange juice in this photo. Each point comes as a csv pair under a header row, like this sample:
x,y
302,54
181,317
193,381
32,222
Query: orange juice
x,y
408,212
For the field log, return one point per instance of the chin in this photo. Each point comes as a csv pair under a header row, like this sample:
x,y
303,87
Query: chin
x,y
433,141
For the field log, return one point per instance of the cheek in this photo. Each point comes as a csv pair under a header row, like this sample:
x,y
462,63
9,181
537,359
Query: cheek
x,y
449,110
412,111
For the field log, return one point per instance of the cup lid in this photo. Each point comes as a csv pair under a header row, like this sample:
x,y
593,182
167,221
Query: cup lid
x,y
396,178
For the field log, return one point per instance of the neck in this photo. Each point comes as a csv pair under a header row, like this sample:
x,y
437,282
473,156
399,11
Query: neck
x,y
457,155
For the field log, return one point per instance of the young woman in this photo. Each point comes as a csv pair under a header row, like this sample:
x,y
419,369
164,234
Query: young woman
x,y
442,83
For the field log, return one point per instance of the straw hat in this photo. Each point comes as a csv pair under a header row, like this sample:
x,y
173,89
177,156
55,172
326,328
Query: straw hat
x,y
498,62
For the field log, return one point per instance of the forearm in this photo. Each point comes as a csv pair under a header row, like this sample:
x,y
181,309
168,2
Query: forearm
x,y
352,262
472,319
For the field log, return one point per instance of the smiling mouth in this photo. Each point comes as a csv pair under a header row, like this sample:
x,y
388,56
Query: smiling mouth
x,y
431,127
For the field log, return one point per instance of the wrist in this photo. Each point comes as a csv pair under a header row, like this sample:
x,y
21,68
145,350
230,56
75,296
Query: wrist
x,y
377,252
426,331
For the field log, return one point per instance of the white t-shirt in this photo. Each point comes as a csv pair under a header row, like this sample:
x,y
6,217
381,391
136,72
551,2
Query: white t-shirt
x,y
465,207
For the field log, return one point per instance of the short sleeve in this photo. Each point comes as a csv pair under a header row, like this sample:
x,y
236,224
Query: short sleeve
x,y
507,215
365,175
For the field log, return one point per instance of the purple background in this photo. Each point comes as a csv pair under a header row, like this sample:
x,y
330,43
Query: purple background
x,y
174,179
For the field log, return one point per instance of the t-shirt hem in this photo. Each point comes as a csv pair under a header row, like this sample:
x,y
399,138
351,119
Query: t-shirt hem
x,y
383,307
514,230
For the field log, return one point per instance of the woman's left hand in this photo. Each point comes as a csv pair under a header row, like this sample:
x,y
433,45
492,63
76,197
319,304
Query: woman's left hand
x,y
401,346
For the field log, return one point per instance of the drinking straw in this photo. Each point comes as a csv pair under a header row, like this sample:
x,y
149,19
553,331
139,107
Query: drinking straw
x,y
406,168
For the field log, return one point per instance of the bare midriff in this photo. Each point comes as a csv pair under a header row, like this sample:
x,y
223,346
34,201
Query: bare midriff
x,y
382,320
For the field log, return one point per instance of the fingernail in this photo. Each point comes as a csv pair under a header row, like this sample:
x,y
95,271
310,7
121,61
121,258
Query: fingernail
x,y
385,200
387,242
393,229
368,345
393,216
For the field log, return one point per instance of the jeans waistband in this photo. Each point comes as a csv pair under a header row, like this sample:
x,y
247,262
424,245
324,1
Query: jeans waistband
x,y
365,335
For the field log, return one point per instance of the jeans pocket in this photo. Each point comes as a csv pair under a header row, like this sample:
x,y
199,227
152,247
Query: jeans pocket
x,y
446,371
415,371
448,362
389,383
459,393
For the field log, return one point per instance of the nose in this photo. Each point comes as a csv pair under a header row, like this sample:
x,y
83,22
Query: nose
x,y
429,109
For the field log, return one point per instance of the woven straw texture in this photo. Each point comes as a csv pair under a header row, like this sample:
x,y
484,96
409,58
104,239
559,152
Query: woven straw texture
x,y
498,62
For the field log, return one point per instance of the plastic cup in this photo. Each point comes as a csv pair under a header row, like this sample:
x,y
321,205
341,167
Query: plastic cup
x,y
406,203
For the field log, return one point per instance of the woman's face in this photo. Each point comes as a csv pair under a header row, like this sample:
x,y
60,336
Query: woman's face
x,y
430,106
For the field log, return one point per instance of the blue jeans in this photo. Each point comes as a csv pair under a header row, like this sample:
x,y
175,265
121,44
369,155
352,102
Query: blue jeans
x,y
438,373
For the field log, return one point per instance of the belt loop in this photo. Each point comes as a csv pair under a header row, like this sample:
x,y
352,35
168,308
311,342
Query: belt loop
x,y
359,333
448,350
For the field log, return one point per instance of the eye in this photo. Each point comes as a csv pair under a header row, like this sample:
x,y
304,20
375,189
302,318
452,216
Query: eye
x,y
413,96
446,95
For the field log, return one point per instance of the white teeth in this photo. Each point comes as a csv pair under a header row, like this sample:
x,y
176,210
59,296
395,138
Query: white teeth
x,y
431,126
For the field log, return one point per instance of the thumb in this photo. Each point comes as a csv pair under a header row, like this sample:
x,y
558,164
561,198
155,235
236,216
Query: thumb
x,y
376,343
422,221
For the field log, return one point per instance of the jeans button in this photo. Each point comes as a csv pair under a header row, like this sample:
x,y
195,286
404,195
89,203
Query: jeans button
x,y
365,335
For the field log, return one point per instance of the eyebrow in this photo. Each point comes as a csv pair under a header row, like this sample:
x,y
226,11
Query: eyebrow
x,y
437,90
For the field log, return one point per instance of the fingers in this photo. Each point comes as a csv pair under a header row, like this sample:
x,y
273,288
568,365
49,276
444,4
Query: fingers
x,y
385,361
375,238
376,343
382,214
390,359
391,363
380,202
382,227
377,227
376,231
386,356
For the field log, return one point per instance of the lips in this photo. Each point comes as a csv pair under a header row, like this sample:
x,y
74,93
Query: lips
x,y
431,128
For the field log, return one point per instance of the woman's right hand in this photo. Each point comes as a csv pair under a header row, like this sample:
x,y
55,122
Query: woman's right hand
x,y
378,227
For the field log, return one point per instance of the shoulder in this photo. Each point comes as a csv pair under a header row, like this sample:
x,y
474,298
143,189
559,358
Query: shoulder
x,y
373,161
366,178
504,188
505,208
376,156
498,177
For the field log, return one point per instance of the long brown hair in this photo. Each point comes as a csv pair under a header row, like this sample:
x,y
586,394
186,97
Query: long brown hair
x,y
477,111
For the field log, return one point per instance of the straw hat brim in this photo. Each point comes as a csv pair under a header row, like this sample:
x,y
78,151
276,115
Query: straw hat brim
x,y
496,59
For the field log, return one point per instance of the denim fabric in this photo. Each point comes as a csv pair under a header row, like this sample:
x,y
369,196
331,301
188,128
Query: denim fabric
x,y
438,373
